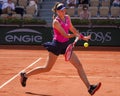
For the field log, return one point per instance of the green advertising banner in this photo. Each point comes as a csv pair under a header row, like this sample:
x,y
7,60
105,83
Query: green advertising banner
x,y
24,35
36,35
102,36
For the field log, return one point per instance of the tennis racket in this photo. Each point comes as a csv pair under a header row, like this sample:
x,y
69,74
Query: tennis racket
x,y
69,49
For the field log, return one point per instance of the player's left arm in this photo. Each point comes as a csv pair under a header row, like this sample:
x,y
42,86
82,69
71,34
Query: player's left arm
x,y
77,33
73,29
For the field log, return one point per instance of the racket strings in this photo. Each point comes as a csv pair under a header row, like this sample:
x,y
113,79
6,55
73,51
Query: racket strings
x,y
68,52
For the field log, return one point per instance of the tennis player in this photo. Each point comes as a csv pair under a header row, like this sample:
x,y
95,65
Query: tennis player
x,y
61,27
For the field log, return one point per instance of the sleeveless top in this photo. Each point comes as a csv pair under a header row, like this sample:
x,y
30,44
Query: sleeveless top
x,y
65,25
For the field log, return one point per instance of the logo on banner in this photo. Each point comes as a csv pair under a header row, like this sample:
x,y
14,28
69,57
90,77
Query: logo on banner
x,y
98,36
23,35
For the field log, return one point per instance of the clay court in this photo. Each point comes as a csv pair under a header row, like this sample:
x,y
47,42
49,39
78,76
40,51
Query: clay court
x,y
101,64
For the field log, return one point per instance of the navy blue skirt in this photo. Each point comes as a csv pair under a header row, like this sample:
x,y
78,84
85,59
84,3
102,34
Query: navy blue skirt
x,y
56,47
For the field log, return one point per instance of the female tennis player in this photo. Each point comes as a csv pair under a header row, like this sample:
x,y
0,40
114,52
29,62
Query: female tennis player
x,y
61,27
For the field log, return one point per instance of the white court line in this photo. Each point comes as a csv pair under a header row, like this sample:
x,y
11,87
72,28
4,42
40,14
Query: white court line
x,y
15,57
77,76
19,73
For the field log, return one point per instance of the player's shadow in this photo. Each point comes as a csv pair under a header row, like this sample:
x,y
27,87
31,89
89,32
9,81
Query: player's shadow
x,y
37,94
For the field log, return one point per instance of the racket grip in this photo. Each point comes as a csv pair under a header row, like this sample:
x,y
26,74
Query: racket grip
x,y
76,39
81,36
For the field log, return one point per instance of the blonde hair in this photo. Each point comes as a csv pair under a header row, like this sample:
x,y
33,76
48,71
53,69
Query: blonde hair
x,y
54,9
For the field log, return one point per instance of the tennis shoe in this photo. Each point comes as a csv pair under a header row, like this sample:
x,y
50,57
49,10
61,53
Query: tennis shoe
x,y
94,88
23,79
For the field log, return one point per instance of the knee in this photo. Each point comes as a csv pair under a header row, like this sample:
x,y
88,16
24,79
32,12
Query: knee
x,y
46,68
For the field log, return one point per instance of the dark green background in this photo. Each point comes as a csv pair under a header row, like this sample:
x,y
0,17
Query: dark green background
x,y
47,33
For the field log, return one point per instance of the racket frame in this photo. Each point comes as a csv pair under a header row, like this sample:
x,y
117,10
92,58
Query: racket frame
x,y
67,50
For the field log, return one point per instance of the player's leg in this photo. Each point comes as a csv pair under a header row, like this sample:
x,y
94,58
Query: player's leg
x,y
91,88
75,61
47,67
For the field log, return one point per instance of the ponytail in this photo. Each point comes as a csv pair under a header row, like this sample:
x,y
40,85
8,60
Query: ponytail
x,y
54,15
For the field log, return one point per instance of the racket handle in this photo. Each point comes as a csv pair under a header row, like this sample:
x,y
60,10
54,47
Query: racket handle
x,y
75,41
81,36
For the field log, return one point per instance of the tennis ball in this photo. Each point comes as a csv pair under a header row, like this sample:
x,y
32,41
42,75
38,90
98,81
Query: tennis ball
x,y
86,44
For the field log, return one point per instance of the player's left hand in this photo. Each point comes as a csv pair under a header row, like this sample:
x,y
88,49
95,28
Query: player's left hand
x,y
86,38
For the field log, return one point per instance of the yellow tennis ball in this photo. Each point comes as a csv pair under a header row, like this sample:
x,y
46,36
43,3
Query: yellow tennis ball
x,y
86,44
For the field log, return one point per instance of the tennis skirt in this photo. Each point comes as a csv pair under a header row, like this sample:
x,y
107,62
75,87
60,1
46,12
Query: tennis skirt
x,y
56,47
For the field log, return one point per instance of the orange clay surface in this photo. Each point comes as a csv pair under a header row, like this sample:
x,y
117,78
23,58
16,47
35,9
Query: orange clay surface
x,y
101,64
